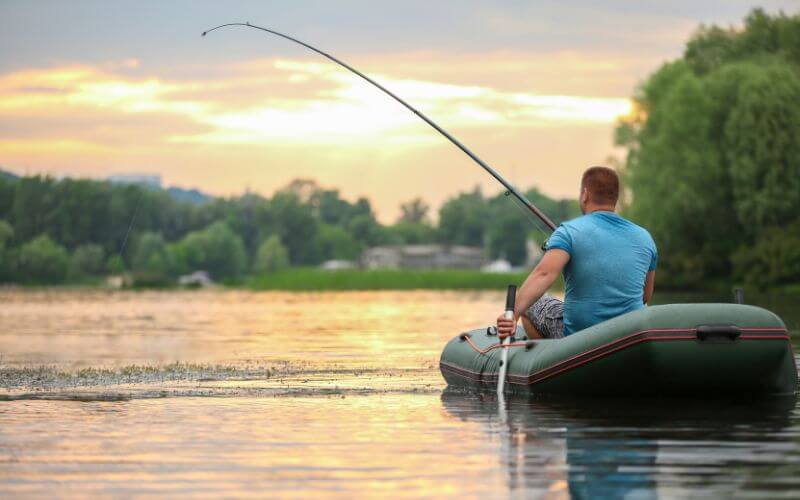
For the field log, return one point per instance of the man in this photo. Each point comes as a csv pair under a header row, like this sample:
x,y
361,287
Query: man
x,y
609,266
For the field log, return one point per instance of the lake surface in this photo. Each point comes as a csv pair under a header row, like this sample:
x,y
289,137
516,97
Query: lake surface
x,y
338,394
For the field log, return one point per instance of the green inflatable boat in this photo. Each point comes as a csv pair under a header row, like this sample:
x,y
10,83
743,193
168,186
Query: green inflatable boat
x,y
678,349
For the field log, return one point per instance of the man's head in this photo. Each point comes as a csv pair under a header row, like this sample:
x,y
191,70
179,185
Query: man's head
x,y
599,189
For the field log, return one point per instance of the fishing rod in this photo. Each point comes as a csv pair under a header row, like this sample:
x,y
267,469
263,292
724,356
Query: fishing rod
x,y
509,188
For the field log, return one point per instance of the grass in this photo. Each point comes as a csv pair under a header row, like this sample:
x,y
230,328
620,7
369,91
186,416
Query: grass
x,y
306,279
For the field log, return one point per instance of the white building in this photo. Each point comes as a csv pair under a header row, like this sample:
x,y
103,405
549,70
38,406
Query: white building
x,y
423,257
151,180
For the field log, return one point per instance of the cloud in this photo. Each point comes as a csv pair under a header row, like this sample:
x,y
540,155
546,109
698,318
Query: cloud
x,y
344,108
299,117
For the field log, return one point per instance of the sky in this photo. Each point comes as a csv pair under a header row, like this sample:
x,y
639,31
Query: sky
x,y
98,88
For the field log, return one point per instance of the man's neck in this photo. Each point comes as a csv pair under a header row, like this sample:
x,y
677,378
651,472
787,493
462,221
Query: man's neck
x,y
599,208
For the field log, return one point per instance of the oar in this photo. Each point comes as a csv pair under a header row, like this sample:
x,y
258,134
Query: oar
x,y
511,297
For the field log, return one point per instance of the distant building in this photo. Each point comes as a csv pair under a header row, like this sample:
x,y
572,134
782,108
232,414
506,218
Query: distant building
x,y
498,266
197,279
336,265
423,257
150,180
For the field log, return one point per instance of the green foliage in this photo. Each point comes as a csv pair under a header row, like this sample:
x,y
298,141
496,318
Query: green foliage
x,y
713,47
6,234
272,256
7,256
762,142
87,260
330,208
164,238
7,189
773,260
216,250
463,219
501,223
336,243
352,279
297,227
558,210
365,228
508,235
411,233
414,212
115,264
714,151
151,258
42,261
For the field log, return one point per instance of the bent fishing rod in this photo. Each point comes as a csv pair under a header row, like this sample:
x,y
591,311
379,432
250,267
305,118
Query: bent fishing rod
x,y
509,188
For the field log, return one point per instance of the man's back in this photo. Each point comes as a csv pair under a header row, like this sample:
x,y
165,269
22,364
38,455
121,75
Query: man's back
x,y
605,276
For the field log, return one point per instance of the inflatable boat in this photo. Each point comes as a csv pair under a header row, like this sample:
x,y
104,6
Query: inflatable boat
x,y
678,349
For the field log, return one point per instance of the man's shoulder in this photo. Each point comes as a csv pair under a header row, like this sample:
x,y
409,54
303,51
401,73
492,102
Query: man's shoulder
x,y
642,231
577,222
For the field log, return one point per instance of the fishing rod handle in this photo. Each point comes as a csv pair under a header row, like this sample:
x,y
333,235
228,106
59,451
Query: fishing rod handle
x,y
511,298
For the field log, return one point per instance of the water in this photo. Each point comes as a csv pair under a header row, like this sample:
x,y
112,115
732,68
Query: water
x,y
336,394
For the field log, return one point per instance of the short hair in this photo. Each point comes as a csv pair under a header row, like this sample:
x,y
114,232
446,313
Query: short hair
x,y
602,183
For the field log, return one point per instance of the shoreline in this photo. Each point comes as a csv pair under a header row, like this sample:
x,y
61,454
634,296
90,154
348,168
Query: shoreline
x,y
310,279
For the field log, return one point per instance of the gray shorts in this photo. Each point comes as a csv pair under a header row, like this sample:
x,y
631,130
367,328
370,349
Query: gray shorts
x,y
547,316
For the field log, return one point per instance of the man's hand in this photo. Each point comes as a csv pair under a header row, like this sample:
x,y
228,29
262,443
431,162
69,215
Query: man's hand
x,y
506,327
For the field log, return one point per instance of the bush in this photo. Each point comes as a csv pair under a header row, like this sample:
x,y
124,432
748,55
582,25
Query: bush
x,y
151,255
774,260
336,243
115,264
6,255
6,233
216,250
43,261
87,260
272,256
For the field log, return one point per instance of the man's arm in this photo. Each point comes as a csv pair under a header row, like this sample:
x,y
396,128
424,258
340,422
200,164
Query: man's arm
x,y
649,286
534,287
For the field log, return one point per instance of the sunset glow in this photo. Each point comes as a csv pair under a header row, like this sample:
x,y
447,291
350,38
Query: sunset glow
x,y
237,110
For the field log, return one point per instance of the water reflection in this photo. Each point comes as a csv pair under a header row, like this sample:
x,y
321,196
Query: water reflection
x,y
638,449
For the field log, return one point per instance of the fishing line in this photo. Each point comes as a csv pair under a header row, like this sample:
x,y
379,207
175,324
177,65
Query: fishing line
x,y
534,222
133,219
519,196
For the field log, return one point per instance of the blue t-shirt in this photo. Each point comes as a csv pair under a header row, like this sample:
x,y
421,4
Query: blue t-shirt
x,y
609,260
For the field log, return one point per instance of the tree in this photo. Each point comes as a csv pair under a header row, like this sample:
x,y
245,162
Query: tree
x,y
87,260
414,212
7,189
775,259
365,230
463,219
297,228
216,249
272,256
7,257
43,261
714,148
6,234
151,257
507,235
336,243
762,146
330,208
115,264
410,233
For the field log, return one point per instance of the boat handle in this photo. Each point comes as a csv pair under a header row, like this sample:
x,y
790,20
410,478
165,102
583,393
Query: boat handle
x,y
729,332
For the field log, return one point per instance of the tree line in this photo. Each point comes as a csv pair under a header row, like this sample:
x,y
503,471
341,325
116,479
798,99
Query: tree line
x,y
68,230
713,164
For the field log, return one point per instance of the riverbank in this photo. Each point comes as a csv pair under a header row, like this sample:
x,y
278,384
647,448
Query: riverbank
x,y
303,279
313,279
